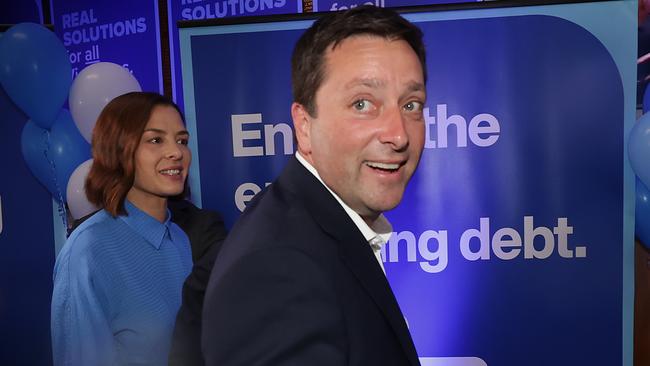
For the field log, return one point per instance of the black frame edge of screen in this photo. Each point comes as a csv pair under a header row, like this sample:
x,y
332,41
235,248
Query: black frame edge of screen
x,y
488,4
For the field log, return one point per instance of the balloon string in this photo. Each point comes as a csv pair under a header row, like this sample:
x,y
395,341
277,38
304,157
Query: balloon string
x,y
59,197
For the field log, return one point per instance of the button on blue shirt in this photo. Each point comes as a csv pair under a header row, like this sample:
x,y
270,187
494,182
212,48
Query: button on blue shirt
x,y
117,289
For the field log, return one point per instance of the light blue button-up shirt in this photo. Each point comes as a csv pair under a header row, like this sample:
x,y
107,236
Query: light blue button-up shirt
x,y
117,289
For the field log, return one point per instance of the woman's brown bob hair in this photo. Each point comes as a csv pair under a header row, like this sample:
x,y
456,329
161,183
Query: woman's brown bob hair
x,y
116,136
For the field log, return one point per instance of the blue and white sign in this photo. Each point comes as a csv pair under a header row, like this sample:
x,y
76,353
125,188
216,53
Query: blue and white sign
x,y
122,32
514,243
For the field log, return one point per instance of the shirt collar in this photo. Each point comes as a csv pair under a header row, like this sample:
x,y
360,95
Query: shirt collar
x,y
381,226
152,230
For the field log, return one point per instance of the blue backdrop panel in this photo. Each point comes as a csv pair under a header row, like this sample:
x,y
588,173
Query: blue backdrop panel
x,y
122,31
27,247
196,10
14,12
248,65
559,154
513,243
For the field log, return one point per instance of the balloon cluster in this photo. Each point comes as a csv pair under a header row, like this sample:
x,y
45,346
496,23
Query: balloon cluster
x,y
37,76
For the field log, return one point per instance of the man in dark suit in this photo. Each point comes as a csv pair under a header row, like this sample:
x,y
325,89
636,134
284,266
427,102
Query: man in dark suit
x,y
299,280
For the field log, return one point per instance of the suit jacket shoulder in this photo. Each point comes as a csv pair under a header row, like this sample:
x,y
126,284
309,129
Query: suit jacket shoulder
x,y
298,284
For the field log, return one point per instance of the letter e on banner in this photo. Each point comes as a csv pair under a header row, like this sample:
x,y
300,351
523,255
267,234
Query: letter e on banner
x,y
239,135
245,192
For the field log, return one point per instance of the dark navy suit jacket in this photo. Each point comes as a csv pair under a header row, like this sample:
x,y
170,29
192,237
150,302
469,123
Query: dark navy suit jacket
x,y
296,283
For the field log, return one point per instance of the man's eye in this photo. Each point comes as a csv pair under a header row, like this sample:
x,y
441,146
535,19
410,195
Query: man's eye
x,y
362,105
413,106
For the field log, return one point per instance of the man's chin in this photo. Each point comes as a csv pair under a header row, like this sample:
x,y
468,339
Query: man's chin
x,y
376,207
390,203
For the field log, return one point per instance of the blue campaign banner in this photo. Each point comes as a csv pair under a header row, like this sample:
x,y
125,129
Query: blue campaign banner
x,y
119,31
514,242
517,225
179,10
27,251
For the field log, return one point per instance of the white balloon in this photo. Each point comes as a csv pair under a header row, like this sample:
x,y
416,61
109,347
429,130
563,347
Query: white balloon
x,y
76,193
93,88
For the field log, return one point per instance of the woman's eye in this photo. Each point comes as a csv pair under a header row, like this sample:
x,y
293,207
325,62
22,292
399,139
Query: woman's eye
x,y
155,140
182,141
413,106
362,105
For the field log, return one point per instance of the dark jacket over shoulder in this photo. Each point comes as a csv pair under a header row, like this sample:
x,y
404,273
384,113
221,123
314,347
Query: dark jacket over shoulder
x,y
296,283
206,232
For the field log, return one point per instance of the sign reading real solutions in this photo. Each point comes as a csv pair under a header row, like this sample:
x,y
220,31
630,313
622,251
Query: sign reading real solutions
x,y
513,244
121,31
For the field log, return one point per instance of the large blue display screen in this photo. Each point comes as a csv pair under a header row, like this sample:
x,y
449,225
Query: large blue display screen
x,y
513,243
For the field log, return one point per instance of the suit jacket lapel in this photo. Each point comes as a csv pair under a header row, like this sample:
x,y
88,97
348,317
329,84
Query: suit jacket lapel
x,y
353,248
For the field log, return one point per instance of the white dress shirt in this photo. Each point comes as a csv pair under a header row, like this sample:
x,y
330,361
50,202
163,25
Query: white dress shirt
x,y
380,228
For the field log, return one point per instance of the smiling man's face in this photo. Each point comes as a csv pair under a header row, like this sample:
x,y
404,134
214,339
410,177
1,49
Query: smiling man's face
x,y
368,133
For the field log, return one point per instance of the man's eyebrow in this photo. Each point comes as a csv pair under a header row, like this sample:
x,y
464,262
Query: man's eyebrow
x,y
368,82
414,86
374,83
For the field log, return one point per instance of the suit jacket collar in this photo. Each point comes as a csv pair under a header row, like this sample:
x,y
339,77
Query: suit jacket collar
x,y
353,248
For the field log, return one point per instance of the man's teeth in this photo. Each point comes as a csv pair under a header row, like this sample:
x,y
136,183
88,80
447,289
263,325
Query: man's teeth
x,y
385,166
171,172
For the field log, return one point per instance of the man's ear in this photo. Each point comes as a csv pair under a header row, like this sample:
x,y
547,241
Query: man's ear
x,y
301,125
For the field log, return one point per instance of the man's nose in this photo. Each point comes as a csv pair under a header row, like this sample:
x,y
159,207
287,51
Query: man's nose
x,y
393,130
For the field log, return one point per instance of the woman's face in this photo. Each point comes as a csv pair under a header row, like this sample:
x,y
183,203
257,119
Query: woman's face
x,y
162,158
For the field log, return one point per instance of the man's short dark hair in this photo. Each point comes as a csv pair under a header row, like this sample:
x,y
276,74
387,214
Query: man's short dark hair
x,y
307,61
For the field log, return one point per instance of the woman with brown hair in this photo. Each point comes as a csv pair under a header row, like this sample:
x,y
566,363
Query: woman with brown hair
x,y
118,278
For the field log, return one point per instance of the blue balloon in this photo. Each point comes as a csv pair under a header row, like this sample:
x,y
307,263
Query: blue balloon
x,y
642,215
34,142
638,148
35,71
53,155
68,149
